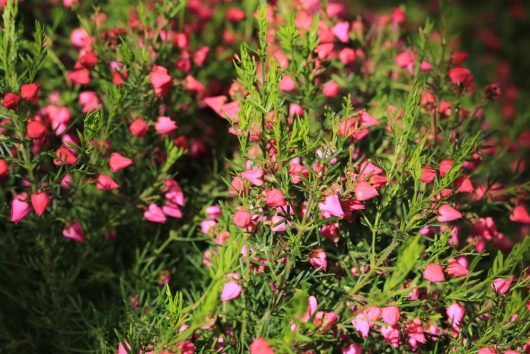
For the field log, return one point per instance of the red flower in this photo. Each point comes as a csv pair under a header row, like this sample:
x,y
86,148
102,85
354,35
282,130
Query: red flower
x,y
11,100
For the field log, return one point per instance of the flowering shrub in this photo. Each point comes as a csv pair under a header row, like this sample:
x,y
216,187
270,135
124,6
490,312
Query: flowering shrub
x,y
238,177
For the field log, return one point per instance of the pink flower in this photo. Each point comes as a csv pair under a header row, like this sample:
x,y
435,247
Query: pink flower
x,y
155,214
428,174
365,191
486,350
460,76
330,89
278,223
106,183
138,127
425,66
391,335
434,273
318,259
352,349
80,38
119,162
448,213
172,210
274,198
165,125
191,84
40,201
456,269
520,214
231,290
74,231
160,80
455,314
30,92
445,166
347,56
260,346
390,315
406,60
331,205
79,77
341,31
311,308
89,100
361,325
19,208
501,286
213,212
325,320
287,84
254,176
242,218
4,168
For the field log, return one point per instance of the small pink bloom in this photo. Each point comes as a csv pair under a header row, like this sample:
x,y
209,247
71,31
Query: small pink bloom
x,y
461,76
448,213
260,346
254,176
138,127
520,215
160,80
331,89
455,314
278,223
501,286
361,325
65,156
155,214
434,273
89,100
365,191
487,350
332,206
352,349
406,60
30,92
425,66
172,210
318,259
242,218
391,335
445,166
80,38
231,290
325,320
274,198
390,315
213,212
79,77
40,201
456,269
74,231
4,168
341,31
287,84
428,174
106,183
311,308
165,125
19,208
347,56
119,162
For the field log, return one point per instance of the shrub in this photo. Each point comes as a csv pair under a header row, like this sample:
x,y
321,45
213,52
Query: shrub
x,y
218,177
